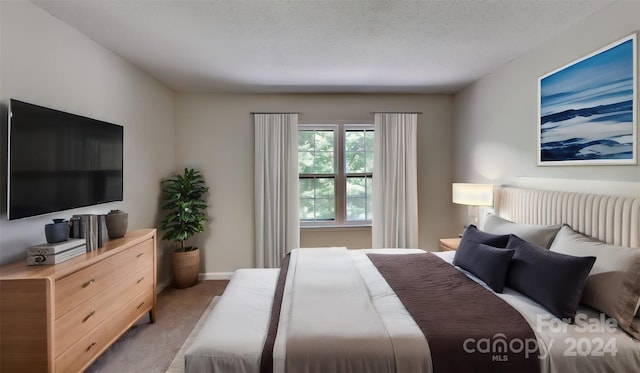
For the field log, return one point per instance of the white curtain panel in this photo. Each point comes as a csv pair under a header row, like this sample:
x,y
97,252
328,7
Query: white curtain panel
x,y
277,226
395,181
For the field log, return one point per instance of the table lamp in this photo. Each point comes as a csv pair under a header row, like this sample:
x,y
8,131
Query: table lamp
x,y
473,196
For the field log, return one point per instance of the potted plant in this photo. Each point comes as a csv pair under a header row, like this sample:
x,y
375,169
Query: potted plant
x,y
183,199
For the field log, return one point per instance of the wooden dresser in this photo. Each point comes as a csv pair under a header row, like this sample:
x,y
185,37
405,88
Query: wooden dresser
x,y
60,318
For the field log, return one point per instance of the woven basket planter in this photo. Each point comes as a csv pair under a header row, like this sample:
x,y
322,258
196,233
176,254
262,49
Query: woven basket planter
x,y
186,267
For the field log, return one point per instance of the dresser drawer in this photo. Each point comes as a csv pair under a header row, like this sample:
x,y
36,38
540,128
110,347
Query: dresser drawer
x,y
80,354
134,309
134,258
136,283
80,320
85,349
79,287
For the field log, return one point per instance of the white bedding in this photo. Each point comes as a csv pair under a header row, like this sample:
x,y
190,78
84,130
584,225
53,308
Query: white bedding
x,y
329,312
232,338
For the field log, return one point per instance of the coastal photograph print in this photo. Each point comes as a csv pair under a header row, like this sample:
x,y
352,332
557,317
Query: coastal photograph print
x,y
588,109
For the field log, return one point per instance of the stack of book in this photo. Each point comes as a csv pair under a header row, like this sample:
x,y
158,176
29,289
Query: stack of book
x,y
92,228
54,253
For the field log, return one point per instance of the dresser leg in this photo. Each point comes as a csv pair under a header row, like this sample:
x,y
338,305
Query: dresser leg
x,y
152,316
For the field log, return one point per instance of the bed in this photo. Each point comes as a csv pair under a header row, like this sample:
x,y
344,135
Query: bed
x,y
367,310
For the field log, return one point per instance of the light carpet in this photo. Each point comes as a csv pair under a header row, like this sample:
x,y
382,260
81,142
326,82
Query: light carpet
x,y
177,365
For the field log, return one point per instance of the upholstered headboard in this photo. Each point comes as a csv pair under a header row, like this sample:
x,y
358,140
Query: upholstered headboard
x,y
611,219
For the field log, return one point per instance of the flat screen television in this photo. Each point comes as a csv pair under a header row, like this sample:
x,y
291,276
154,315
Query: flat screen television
x,y
59,161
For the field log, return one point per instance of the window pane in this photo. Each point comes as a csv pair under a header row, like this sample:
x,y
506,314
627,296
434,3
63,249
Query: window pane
x,y
368,141
324,141
305,162
307,210
355,162
368,147
368,164
359,151
359,198
325,209
356,187
325,188
354,141
306,150
317,198
306,188
305,141
315,152
324,163
356,209
369,199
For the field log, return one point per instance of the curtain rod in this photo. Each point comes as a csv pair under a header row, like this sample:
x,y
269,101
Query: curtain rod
x,y
396,112
275,112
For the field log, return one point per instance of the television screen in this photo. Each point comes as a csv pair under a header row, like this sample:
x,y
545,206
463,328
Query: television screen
x,y
60,161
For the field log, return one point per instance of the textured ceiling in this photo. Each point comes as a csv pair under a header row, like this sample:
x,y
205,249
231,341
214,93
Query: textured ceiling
x,y
320,46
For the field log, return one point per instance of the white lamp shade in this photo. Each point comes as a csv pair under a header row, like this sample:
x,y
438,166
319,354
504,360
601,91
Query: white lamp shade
x,y
472,194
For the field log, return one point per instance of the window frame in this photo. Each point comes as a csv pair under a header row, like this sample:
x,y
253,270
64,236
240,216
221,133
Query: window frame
x,y
345,175
340,129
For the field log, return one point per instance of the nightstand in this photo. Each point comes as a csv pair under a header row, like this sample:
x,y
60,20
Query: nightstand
x,y
449,244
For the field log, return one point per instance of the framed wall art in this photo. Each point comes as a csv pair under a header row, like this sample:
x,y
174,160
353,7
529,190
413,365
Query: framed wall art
x,y
588,109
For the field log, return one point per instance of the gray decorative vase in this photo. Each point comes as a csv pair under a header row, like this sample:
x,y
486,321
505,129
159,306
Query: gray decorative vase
x,y
57,231
116,221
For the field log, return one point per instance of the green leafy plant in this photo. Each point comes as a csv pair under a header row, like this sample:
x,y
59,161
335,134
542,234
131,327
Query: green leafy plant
x,y
183,198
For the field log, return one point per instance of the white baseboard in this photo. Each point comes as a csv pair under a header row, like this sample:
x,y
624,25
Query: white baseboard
x,y
215,276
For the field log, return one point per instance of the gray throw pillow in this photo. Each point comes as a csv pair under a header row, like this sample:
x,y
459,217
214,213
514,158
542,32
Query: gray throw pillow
x,y
613,285
539,235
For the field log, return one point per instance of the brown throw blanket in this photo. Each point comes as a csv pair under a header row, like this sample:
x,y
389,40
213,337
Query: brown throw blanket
x,y
468,328
266,361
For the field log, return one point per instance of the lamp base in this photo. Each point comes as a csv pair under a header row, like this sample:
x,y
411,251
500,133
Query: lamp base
x,y
472,215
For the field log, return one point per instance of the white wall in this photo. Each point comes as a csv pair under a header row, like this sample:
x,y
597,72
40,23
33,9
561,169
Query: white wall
x,y
496,118
46,62
215,134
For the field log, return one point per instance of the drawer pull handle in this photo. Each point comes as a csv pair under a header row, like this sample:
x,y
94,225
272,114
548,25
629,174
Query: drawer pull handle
x,y
88,282
140,280
140,305
139,255
88,316
91,345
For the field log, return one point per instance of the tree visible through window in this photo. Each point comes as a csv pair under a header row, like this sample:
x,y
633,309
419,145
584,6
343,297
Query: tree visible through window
x,y
335,163
359,171
316,165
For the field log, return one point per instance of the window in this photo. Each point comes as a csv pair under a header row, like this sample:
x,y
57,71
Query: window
x,y
335,163
358,154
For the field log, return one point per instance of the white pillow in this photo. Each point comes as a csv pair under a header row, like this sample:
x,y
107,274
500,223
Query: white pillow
x,y
539,235
613,285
